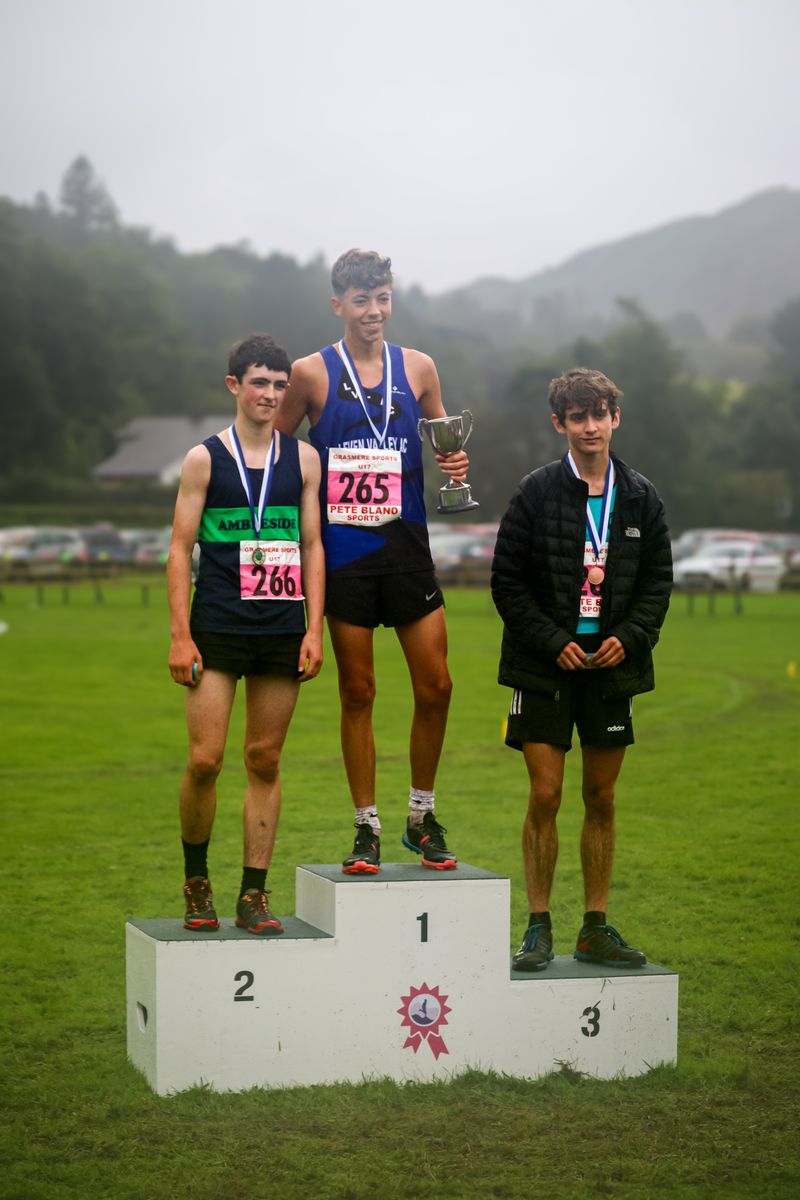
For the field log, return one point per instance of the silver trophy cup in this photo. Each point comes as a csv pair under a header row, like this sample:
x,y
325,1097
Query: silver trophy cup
x,y
446,435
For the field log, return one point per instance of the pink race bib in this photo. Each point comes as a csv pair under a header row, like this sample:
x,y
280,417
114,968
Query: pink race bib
x,y
591,593
364,487
270,571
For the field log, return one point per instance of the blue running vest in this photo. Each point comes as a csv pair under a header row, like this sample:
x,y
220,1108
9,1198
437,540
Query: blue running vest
x,y
400,545
217,606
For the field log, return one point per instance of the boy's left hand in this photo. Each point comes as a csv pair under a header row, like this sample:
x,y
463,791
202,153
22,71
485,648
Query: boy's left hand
x,y
455,465
610,654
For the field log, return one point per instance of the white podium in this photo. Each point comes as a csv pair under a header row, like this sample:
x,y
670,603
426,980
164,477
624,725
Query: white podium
x,y
402,975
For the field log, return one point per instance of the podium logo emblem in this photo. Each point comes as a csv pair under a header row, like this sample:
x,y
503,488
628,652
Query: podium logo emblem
x,y
424,1011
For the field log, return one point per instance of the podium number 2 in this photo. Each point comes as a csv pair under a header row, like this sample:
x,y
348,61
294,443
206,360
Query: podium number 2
x,y
240,993
592,1026
423,927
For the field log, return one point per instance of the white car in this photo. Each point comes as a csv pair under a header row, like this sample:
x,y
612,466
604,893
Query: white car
x,y
727,564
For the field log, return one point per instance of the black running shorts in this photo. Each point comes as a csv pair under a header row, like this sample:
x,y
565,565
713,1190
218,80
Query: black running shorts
x,y
372,600
250,653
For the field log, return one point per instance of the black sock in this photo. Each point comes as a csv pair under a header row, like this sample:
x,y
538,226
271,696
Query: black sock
x,y
593,918
539,919
253,877
195,859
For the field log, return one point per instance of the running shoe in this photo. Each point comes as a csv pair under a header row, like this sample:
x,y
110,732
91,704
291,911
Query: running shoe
x,y
427,839
253,914
536,950
366,856
200,912
605,945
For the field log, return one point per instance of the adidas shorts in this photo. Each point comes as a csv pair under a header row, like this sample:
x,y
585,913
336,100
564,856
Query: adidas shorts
x,y
579,704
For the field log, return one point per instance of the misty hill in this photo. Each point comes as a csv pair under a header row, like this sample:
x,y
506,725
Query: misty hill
x,y
740,262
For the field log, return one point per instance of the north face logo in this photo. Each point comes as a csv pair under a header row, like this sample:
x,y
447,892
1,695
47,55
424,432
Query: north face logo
x,y
632,531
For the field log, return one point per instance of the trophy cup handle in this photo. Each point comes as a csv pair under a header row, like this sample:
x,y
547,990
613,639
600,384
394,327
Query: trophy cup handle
x,y
469,424
421,423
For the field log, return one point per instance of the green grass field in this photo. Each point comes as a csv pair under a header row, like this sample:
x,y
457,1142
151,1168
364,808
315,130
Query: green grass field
x,y
705,882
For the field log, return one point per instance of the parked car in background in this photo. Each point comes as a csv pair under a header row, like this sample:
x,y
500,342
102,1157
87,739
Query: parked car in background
x,y
732,563
45,550
694,541
104,544
463,555
155,547
14,542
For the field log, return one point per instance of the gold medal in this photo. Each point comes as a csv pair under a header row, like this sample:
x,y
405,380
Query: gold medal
x,y
596,575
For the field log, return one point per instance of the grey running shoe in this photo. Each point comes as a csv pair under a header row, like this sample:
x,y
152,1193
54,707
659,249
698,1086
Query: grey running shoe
x,y
605,945
536,950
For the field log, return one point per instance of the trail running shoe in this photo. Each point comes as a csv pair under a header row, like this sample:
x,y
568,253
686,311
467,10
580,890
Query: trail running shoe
x,y
536,950
366,856
200,912
253,914
427,839
605,945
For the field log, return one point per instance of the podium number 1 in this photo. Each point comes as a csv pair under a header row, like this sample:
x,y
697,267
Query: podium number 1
x,y
423,927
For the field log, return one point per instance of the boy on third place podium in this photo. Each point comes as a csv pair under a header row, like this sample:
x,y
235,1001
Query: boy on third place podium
x,y
581,576
363,399
250,497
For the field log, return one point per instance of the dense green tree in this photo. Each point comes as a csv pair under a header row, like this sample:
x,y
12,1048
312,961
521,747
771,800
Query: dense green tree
x,y
784,329
85,200
768,424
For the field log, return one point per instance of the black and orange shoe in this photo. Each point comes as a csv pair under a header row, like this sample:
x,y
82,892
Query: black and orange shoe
x,y
605,945
253,913
427,839
366,856
200,912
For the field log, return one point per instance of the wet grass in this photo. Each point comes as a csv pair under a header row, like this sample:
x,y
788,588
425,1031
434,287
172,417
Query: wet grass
x,y
705,881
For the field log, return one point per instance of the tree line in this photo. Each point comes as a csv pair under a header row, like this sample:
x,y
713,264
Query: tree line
x,y
102,322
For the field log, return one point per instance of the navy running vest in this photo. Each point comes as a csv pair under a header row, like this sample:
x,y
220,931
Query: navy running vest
x,y
401,545
217,606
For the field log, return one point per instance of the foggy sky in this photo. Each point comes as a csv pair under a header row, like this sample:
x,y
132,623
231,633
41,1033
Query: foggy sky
x,y
462,138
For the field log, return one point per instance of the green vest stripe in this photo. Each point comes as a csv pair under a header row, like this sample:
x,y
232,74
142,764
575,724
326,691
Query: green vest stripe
x,y
281,523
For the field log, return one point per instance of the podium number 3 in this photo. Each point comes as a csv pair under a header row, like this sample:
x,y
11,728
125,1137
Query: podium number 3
x,y
241,991
423,927
592,1026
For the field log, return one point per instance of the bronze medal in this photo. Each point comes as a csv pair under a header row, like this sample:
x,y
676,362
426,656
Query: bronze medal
x,y
596,575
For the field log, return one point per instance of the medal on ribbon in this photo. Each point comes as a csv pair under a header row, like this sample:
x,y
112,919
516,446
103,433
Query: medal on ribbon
x,y
256,513
380,437
599,537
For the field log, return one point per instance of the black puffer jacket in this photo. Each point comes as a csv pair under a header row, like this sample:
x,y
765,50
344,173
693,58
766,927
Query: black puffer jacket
x,y
537,573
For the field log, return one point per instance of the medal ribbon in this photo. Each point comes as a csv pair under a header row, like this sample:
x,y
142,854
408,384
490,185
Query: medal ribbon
x,y
269,460
599,539
387,376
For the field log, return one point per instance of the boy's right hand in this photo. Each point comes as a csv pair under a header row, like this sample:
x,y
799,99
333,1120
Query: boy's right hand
x,y
185,662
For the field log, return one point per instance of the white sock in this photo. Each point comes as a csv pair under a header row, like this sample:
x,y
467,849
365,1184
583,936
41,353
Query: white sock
x,y
368,816
419,803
